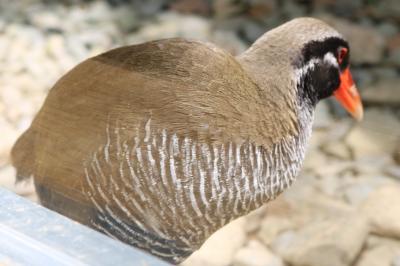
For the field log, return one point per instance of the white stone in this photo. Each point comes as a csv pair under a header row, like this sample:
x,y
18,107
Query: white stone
x,y
339,129
308,200
220,248
372,166
229,41
333,167
386,91
379,256
338,149
169,25
8,136
272,226
46,20
393,171
7,177
382,207
314,159
379,252
253,220
256,254
358,190
376,135
396,261
331,242
322,118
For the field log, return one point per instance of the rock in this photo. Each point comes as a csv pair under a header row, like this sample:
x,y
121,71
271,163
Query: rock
x,y
374,241
339,130
307,203
200,7
149,7
342,8
379,256
362,77
383,210
314,159
383,73
393,171
337,109
56,50
357,194
372,165
329,185
273,226
320,206
337,149
253,220
256,254
387,29
251,31
375,136
293,9
94,13
331,242
379,252
229,41
279,207
75,47
394,56
168,25
8,136
396,154
46,20
322,118
385,92
262,8
333,167
225,8
384,9
7,177
357,37
396,261
317,137
126,18
271,21
220,248
275,218
358,189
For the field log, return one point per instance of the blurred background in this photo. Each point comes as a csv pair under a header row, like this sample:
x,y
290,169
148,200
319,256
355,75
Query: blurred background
x,y
345,207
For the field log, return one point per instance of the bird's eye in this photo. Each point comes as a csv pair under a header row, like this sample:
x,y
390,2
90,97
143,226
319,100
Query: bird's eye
x,y
342,54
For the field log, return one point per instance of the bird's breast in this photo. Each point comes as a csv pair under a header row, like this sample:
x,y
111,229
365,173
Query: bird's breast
x,y
179,188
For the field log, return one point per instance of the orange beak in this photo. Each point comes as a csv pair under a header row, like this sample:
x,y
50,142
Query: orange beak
x,y
348,95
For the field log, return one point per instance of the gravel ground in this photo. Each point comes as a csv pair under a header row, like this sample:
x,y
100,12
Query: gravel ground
x,y
345,207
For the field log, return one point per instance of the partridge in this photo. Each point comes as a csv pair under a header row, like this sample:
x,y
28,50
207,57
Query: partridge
x,y
162,143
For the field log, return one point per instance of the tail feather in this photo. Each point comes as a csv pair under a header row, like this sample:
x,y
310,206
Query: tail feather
x,y
23,156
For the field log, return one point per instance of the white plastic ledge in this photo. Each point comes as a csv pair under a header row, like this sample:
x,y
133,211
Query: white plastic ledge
x,y
33,235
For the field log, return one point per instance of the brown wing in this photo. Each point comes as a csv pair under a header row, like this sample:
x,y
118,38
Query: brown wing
x,y
183,86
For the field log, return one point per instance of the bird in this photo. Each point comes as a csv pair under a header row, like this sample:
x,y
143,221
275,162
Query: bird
x,y
162,143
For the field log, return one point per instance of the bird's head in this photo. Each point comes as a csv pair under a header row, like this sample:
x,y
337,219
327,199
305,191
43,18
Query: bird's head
x,y
318,58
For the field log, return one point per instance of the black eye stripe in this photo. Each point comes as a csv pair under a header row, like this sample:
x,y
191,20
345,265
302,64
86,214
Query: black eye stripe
x,y
317,49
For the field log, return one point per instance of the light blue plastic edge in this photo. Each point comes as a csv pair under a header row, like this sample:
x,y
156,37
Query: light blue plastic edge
x,y
33,235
